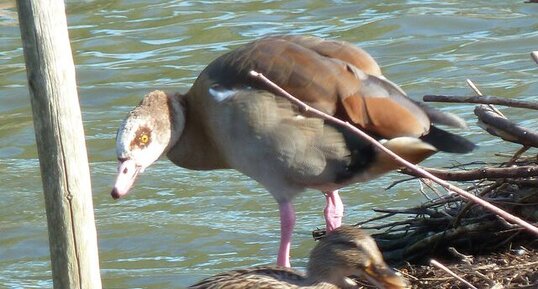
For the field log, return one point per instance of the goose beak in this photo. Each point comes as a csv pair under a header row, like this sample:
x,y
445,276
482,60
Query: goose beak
x,y
385,278
127,172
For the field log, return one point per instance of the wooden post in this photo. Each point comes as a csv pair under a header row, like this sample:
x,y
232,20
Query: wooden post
x,y
60,143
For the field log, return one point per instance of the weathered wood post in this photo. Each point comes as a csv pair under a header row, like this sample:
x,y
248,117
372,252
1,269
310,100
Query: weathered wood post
x,y
60,143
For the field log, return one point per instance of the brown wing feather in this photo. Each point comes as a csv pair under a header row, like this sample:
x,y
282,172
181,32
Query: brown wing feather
x,y
326,75
381,107
390,119
342,50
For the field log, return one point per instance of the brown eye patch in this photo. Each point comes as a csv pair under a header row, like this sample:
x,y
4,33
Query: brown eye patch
x,y
142,138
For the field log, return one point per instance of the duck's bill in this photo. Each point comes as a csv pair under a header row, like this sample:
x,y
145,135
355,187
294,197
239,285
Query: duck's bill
x,y
127,173
385,278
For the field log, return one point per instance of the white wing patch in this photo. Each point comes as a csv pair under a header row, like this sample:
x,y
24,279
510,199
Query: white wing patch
x,y
221,95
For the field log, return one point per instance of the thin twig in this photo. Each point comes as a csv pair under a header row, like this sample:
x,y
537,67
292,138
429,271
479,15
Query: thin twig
x,y
521,160
516,156
423,192
473,87
400,160
479,93
481,173
428,183
481,100
395,183
444,268
466,165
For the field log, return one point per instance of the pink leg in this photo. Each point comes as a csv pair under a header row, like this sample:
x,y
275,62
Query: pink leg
x,y
287,222
334,210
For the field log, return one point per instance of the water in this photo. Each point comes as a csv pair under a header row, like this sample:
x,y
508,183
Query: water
x,y
178,226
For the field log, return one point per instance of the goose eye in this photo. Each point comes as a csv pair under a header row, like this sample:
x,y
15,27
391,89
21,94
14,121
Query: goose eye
x,y
144,138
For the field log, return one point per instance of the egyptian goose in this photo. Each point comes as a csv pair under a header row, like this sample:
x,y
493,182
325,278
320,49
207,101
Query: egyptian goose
x,y
345,251
229,120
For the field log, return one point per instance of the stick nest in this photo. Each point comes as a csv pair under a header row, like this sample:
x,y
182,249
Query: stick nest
x,y
474,243
450,221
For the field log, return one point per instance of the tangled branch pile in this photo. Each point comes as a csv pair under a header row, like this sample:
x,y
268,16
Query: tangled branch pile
x,y
450,221
452,229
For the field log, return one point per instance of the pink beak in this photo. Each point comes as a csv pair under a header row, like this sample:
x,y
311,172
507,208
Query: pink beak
x,y
127,172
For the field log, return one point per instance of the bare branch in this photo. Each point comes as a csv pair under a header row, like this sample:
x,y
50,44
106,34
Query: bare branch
x,y
481,100
395,183
479,93
504,128
473,87
444,268
481,173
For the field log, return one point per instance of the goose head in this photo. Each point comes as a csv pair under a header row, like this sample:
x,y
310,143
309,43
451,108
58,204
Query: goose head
x,y
148,131
349,251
